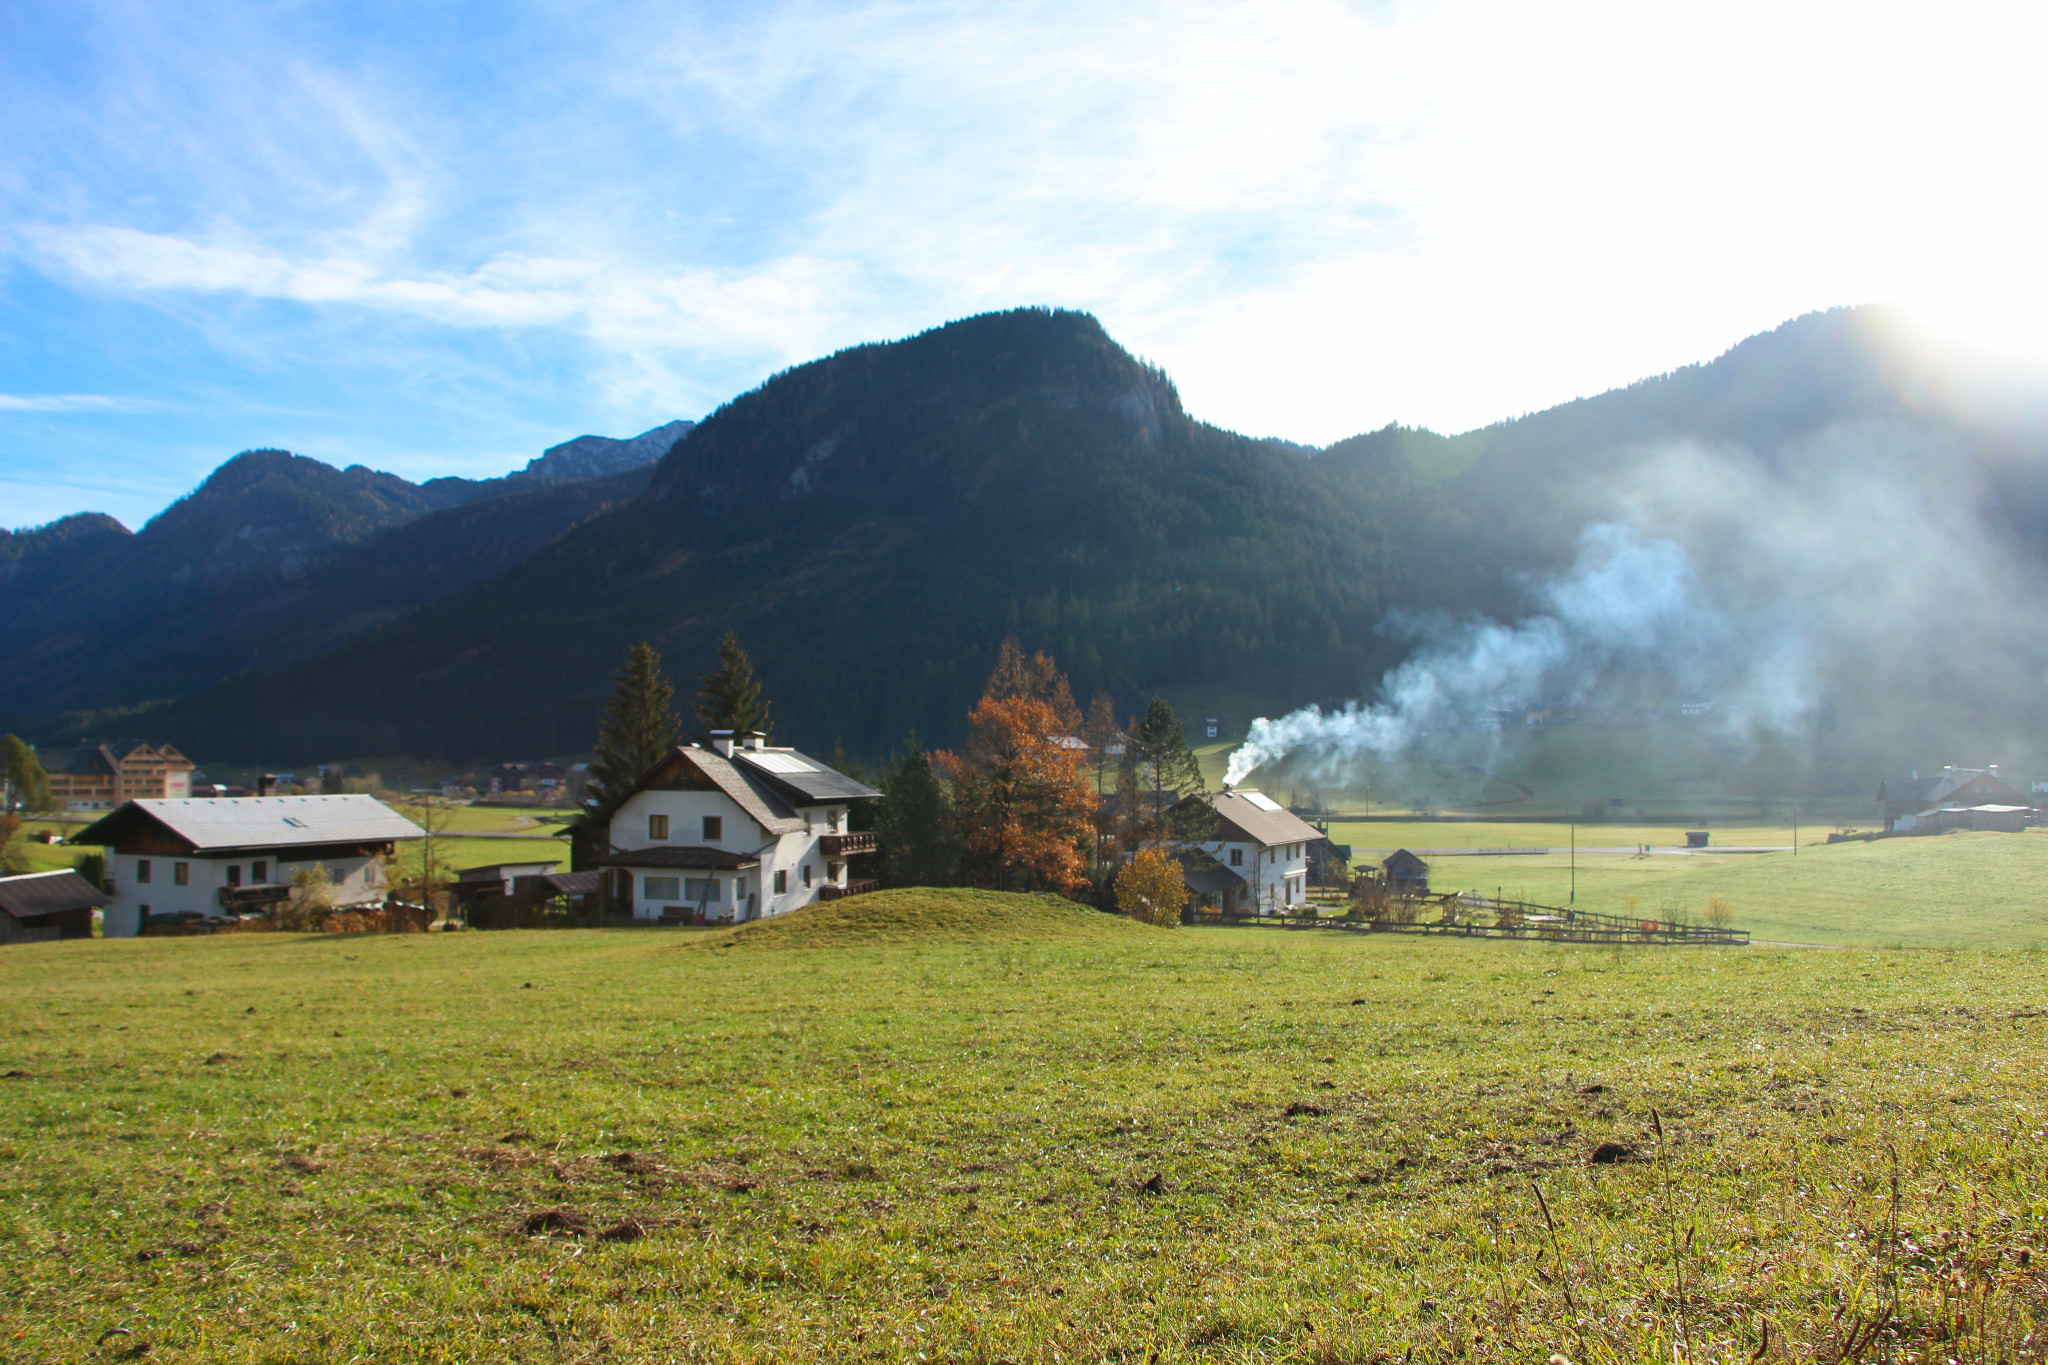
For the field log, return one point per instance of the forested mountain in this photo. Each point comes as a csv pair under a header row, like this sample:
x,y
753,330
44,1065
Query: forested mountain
x,y
874,523
272,556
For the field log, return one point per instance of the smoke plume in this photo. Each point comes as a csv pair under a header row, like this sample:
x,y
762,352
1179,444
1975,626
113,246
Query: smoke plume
x,y
1845,594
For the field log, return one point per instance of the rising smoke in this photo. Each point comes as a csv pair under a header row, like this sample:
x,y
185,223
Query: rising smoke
x,y
1844,596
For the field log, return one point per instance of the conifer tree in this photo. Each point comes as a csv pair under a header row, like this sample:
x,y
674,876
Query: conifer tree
x,y
914,824
638,728
1171,769
730,697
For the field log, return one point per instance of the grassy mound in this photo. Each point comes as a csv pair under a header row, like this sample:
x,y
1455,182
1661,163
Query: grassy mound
x,y
948,914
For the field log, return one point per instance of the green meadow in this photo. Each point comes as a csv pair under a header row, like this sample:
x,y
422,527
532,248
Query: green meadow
x,y
965,1126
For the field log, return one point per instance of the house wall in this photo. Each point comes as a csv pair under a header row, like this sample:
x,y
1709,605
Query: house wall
x,y
786,853
1275,875
358,880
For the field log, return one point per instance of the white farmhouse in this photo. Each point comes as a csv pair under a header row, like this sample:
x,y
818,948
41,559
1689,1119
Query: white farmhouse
x,y
734,832
1263,845
208,856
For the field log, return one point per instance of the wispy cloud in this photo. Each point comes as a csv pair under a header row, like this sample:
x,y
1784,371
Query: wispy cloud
x,y
72,402
1320,216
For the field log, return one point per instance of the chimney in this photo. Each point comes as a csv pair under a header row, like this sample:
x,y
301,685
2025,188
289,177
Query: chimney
x,y
758,740
721,740
266,785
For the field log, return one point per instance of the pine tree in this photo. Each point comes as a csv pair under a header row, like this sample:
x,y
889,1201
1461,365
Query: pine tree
x,y
638,729
914,824
730,697
1172,770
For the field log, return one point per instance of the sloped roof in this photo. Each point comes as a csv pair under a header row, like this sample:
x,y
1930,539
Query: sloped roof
x,y
665,855
1245,812
1404,864
210,823
1955,779
749,791
48,893
1204,875
800,776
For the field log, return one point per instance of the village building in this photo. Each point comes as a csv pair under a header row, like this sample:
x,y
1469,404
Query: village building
x,y
102,776
1263,847
173,860
1953,788
41,907
1406,874
735,831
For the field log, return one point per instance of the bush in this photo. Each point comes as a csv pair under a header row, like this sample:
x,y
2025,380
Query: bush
x,y
1151,888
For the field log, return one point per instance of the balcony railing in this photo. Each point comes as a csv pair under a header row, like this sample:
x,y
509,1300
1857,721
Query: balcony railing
x,y
829,892
849,845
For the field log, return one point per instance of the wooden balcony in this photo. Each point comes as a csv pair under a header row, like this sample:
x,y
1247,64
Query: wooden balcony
x,y
829,892
848,845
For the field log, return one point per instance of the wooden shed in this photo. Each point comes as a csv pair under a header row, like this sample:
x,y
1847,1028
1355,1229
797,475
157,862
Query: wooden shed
x,y
1407,875
40,907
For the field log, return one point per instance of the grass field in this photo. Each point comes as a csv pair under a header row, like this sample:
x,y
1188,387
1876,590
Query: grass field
x,y
959,1126
1952,890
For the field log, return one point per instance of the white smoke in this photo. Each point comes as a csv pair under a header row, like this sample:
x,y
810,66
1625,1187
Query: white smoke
x,y
1846,591
1627,603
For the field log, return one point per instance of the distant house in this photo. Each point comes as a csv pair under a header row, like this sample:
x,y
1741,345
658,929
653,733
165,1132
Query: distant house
x,y
102,776
201,858
1406,874
1957,788
1264,846
732,832
528,777
1940,819
1328,864
40,907
1211,727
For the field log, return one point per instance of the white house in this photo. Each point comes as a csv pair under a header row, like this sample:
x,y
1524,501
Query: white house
x,y
213,855
1262,844
734,832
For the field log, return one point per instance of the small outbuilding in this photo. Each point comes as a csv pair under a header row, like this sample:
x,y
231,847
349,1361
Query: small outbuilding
x,y
41,907
1407,875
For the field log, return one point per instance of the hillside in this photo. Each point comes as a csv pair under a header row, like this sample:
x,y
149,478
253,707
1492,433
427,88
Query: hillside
x,y
931,915
875,522
272,557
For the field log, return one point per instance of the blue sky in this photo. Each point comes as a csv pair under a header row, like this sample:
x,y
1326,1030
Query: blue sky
x,y
436,239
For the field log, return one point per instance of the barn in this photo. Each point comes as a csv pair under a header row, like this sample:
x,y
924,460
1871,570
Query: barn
x,y
40,907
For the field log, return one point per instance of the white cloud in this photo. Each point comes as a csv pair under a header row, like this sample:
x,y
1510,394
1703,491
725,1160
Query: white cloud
x,y
1319,216
71,402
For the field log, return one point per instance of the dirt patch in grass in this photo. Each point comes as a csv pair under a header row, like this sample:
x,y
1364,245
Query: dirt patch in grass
x,y
559,1222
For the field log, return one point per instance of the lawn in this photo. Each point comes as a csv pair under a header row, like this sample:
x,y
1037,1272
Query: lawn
x,y
959,1126
1953,890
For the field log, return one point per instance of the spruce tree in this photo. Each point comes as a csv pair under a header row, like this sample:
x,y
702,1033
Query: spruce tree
x,y
1172,770
730,697
638,728
914,824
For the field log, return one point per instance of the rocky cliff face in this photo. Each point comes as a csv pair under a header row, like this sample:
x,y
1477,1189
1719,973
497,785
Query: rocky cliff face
x,y
598,457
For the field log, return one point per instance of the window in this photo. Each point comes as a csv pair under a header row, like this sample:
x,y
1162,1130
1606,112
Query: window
x,y
142,869
832,821
181,873
807,874
660,889
701,889
657,829
234,874
782,881
1237,857
714,828
259,872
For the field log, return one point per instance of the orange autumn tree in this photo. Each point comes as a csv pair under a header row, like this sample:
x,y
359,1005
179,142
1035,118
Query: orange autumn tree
x,y
1025,806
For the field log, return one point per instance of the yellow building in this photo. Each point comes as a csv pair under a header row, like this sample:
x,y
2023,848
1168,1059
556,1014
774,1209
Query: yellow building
x,y
102,776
